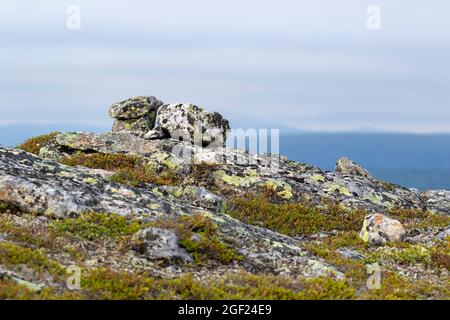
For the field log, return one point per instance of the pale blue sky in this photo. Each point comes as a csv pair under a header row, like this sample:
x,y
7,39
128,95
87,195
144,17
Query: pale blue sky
x,y
306,65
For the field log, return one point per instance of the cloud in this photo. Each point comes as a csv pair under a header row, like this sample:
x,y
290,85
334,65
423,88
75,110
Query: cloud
x,y
292,64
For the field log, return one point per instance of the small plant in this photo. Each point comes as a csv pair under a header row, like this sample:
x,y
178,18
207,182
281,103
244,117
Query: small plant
x,y
294,218
5,207
94,225
34,145
12,254
416,218
33,235
401,253
107,284
396,287
440,256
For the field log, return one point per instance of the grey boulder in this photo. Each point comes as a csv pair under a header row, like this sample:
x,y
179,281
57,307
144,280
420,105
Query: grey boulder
x,y
188,122
136,114
379,229
161,244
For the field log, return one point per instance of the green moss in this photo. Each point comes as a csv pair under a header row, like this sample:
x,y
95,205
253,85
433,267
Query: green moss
x,y
34,145
200,237
6,207
110,162
128,169
396,287
93,226
109,285
12,254
106,284
355,270
416,218
31,235
294,218
409,254
440,254
11,290
282,189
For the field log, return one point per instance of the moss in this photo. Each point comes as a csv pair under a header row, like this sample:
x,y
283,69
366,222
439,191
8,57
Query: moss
x,y
106,284
416,218
396,287
8,208
200,237
109,285
12,254
282,189
129,169
136,177
355,270
235,180
94,225
110,162
34,145
440,255
409,254
11,290
393,286
32,235
294,218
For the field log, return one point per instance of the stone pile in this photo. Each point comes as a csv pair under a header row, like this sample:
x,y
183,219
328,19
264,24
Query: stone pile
x,y
150,118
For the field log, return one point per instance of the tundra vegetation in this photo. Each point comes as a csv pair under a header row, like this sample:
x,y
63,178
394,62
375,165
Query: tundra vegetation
x,y
300,233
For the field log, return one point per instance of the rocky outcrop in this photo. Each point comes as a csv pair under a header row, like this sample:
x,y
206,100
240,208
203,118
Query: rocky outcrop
x,y
157,227
347,166
45,187
148,117
237,171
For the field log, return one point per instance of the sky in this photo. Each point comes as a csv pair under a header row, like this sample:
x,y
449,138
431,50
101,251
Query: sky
x,y
294,65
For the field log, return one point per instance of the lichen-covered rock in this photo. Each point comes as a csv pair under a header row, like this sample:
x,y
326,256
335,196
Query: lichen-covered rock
x,y
347,166
45,187
182,120
379,229
156,133
136,115
111,142
137,126
350,254
160,244
237,171
134,108
197,196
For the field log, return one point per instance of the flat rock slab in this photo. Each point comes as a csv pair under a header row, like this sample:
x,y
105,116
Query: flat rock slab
x,y
46,187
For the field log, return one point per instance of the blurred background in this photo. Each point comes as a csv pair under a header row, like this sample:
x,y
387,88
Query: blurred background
x,y
314,70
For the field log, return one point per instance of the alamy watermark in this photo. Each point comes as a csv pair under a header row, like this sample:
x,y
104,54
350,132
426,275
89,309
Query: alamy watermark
x,y
374,280
73,20
373,21
259,147
73,282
